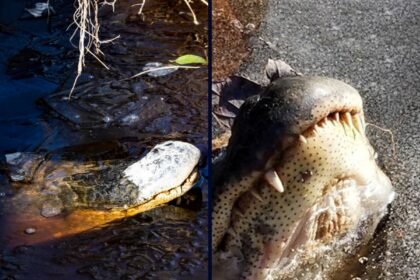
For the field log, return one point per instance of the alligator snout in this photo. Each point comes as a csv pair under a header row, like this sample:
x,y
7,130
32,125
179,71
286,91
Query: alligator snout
x,y
299,179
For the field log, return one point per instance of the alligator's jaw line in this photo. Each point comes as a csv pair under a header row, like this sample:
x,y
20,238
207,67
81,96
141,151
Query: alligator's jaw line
x,y
297,201
80,220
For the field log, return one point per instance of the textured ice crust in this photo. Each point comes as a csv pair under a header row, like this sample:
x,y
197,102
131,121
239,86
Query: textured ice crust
x,y
166,166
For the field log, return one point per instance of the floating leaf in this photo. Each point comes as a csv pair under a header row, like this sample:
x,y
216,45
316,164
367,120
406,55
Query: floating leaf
x,y
190,59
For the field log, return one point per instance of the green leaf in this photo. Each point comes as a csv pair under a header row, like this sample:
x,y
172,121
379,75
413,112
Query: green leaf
x,y
190,59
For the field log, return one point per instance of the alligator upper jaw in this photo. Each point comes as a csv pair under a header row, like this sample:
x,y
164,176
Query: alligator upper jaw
x,y
271,120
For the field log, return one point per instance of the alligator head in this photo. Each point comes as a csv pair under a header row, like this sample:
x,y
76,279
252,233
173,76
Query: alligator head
x,y
298,179
77,195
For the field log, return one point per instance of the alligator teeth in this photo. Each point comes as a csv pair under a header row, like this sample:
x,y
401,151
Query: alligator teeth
x,y
322,122
302,139
316,127
256,195
273,180
328,123
347,119
337,116
358,124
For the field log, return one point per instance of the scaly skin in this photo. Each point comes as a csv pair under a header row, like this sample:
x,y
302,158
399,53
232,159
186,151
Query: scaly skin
x,y
85,194
298,172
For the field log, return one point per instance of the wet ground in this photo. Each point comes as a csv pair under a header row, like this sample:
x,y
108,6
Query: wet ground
x,y
108,118
374,47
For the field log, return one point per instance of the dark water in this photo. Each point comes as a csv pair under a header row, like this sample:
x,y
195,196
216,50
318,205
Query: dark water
x,y
37,67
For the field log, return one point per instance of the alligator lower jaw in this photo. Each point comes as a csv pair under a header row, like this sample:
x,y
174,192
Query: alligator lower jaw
x,y
334,228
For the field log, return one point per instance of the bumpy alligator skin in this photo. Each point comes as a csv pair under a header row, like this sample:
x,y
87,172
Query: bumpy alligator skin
x,y
63,193
299,178
163,169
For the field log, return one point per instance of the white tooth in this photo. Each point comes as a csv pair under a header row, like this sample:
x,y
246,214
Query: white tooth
x,y
337,116
302,139
257,196
347,118
273,179
316,127
322,122
358,124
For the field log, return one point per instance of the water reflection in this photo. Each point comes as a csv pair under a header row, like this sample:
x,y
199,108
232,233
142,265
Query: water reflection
x,y
106,120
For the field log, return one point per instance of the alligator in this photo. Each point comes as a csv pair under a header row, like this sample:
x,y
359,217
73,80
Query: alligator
x,y
299,187
63,195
